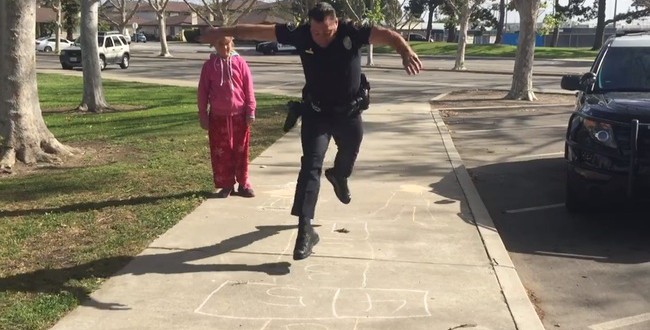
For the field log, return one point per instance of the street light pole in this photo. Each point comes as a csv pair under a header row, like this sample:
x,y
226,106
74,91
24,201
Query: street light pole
x,y
615,5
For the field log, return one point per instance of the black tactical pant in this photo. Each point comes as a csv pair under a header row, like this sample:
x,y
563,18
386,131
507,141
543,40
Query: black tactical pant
x,y
315,134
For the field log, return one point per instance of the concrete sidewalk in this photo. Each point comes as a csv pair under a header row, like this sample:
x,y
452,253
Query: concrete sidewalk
x,y
415,249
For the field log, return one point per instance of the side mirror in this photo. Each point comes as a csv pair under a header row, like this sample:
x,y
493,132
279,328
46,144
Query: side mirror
x,y
574,82
588,79
571,82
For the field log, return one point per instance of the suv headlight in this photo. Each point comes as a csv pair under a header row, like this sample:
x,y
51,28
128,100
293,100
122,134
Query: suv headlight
x,y
601,132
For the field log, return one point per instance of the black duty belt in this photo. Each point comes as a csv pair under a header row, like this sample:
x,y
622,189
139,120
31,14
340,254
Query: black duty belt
x,y
337,109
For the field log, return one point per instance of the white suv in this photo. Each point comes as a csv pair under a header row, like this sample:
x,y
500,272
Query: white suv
x,y
112,46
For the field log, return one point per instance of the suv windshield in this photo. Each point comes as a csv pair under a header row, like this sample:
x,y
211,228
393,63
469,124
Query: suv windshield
x,y
100,41
625,69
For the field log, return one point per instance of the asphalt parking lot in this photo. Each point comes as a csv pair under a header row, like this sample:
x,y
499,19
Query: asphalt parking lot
x,y
582,271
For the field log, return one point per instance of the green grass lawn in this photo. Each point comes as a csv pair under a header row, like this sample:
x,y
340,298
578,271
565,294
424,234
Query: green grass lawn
x,y
443,48
65,229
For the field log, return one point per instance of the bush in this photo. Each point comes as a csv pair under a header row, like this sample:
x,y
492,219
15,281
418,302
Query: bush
x,y
191,35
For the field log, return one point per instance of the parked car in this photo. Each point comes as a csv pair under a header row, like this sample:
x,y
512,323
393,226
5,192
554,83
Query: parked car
x,y
607,145
112,47
139,37
49,44
416,37
39,39
273,47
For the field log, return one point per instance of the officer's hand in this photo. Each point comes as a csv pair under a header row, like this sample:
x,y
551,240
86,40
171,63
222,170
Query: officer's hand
x,y
411,62
211,36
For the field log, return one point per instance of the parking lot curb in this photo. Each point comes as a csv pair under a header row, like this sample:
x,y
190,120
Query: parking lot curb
x,y
509,107
521,308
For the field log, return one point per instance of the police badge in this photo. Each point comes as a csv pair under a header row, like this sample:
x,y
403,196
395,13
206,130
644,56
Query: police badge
x,y
347,43
291,26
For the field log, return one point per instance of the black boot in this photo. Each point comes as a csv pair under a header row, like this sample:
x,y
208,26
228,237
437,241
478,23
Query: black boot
x,y
307,238
293,113
340,186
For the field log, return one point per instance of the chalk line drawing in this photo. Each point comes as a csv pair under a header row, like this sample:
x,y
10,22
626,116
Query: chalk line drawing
x,y
281,197
308,303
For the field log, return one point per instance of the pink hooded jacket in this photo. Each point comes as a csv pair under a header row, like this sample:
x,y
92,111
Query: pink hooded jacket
x,y
226,85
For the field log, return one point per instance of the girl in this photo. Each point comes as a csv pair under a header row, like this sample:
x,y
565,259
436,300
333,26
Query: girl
x,y
226,103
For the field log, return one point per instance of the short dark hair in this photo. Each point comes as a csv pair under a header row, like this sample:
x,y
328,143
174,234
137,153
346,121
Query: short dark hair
x,y
321,11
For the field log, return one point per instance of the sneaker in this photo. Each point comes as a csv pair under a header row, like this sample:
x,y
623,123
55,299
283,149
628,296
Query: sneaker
x,y
340,186
224,192
293,113
305,242
246,192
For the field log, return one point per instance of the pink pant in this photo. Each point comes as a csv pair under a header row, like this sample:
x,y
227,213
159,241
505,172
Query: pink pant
x,y
229,138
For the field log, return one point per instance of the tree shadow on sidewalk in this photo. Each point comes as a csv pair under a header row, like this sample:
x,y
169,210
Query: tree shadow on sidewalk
x,y
56,281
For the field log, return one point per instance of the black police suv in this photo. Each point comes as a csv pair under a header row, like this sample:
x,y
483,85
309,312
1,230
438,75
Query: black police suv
x,y
608,136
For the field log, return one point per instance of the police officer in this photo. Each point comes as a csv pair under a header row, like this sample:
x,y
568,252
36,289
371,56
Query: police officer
x,y
331,60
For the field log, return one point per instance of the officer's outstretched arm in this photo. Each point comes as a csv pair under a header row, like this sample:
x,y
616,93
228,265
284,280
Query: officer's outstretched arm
x,y
383,36
241,31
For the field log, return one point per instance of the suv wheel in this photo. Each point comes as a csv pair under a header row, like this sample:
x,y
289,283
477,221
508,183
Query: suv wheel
x,y
102,62
125,61
66,67
47,49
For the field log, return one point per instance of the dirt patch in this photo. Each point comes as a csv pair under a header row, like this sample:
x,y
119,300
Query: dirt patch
x,y
118,108
480,98
536,302
93,154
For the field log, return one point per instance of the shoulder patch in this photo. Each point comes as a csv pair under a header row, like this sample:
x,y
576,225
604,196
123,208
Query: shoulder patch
x,y
347,43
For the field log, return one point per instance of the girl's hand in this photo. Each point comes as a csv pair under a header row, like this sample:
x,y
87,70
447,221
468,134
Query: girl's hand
x,y
249,120
204,122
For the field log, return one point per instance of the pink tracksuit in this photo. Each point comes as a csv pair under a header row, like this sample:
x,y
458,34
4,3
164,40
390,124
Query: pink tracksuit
x,y
226,97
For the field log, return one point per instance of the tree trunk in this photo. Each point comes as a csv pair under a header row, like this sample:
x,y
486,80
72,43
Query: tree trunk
x,y
430,21
370,61
556,29
164,49
502,22
462,37
600,26
522,77
556,36
451,34
57,47
93,97
23,133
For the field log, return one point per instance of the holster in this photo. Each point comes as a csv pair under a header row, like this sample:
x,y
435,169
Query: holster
x,y
360,103
364,93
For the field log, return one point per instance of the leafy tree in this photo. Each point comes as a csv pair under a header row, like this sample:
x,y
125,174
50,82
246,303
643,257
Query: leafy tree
x,y
463,9
417,7
121,14
56,25
373,15
564,13
24,136
501,22
450,20
71,10
482,18
159,6
225,12
522,77
93,95
642,9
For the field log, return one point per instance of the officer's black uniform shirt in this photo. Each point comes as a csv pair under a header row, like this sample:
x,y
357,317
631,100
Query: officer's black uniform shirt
x,y
332,74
